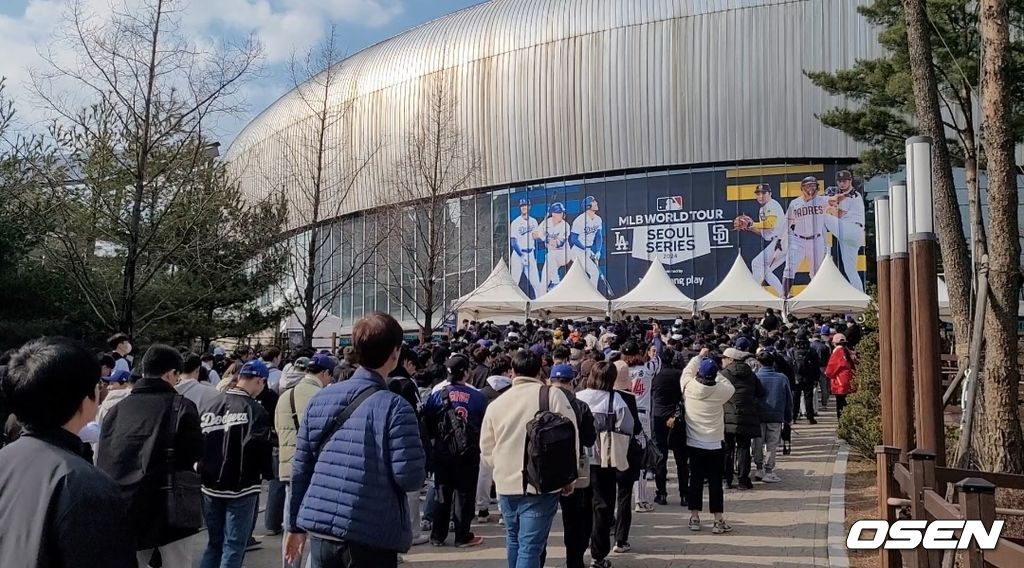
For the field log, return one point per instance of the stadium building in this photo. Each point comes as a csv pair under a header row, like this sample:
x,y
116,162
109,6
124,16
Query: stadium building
x,y
605,132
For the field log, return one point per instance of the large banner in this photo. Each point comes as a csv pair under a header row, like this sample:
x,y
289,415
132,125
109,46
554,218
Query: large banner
x,y
783,220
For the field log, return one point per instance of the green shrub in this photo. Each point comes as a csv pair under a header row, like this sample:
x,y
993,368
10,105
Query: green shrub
x,y
861,424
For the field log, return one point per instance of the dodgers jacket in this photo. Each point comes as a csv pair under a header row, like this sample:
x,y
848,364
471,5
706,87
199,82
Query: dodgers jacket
x,y
356,490
238,452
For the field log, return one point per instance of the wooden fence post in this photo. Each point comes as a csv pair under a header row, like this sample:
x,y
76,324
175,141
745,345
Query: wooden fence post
x,y
922,472
977,502
886,457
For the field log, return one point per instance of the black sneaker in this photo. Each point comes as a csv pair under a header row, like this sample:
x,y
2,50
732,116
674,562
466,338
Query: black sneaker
x,y
747,484
253,544
483,517
812,421
435,542
660,500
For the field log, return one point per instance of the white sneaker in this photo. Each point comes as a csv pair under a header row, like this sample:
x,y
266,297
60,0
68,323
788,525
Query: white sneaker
x,y
419,539
643,508
770,477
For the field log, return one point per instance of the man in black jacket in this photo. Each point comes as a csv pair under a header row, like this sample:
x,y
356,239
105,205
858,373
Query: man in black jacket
x,y
742,416
665,400
56,509
808,370
136,439
237,455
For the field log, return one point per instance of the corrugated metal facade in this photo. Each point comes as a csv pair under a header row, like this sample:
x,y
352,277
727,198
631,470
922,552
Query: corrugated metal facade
x,y
560,88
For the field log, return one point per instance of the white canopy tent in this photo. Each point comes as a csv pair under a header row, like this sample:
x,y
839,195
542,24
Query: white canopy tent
x,y
828,292
575,296
496,296
655,295
738,293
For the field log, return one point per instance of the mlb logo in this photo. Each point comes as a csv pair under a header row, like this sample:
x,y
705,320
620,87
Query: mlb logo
x,y
674,203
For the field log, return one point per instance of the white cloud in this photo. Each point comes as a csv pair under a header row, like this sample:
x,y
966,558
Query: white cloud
x,y
283,26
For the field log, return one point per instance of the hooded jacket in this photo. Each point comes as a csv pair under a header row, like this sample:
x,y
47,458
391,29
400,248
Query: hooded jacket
x,y
704,407
238,447
742,412
495,386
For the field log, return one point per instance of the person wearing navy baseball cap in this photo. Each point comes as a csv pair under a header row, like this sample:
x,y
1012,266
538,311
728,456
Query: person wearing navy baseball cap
x,y
237,429
577,509
705,393
554,233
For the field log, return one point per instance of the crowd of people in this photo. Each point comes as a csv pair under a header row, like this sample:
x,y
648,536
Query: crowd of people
x,y
391,443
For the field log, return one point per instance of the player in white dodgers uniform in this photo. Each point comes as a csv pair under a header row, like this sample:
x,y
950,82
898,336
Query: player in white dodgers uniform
x,y
520,236
805,220
844,218
770,225
554,231
641,374
586,239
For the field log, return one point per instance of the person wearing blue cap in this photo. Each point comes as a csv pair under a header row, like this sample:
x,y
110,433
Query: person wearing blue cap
x,y
577,509
553,231
521,258
237,456
587,239
705,393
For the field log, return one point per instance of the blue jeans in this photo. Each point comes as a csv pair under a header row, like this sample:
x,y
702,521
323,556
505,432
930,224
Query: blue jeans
x,y
528,521
229,522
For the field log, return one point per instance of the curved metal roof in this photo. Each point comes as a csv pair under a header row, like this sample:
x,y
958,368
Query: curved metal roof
x,y
556,88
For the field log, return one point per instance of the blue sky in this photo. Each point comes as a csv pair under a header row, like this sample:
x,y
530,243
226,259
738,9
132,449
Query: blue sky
x,y
284,27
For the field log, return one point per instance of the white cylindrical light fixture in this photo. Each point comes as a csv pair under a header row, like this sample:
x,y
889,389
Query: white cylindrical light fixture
x,y
883,232
898,216
919,185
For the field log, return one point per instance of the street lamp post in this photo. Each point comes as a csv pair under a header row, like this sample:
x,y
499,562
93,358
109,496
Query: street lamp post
x,y
924,300
883,246
899,321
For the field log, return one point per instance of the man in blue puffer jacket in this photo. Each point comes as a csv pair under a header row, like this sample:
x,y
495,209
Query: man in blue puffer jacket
x,y
349,482
776,409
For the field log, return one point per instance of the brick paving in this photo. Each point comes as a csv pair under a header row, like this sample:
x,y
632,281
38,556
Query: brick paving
x,y
783,525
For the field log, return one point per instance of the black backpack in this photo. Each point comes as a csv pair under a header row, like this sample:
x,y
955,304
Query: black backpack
x,y
807,364
550,456
457,437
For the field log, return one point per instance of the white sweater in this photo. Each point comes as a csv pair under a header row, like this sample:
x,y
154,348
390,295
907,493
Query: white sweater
x,y
704,405
503,435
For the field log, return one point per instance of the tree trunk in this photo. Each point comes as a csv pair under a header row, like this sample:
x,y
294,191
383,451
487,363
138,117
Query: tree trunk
x,y
999,441
947,211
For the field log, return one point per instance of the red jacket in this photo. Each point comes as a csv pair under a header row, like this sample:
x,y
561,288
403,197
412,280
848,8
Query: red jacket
x,y
840,370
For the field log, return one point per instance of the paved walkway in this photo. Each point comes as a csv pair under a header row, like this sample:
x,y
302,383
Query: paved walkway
x,y
784,525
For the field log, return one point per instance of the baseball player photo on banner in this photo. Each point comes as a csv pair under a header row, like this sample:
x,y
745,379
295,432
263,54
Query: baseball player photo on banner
x,y
844,218
805,219
771,227
522,259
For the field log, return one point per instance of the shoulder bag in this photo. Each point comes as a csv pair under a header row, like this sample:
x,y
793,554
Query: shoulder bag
x,y
182,487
